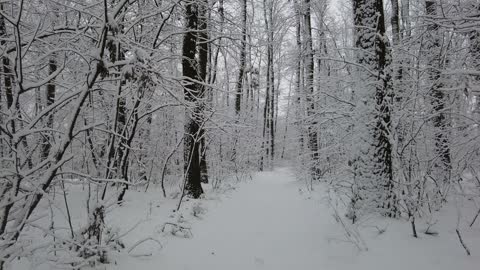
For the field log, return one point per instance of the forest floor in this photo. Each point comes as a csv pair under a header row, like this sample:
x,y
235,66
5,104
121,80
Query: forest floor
x,y
271,223
268,222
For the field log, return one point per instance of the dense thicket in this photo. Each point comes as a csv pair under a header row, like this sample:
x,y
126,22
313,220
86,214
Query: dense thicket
x,y
396,104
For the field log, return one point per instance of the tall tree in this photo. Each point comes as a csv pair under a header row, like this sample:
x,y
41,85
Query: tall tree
x,y
202,88
271,76
299,71
310,89
268,143
474,50
116,148
50,93
243,55
194,72
50,97
442,164
373,160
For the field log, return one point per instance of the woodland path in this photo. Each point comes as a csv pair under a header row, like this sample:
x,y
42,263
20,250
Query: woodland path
x,y
266,224
269,223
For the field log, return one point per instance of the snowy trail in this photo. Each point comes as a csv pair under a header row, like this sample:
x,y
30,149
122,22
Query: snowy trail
x,y
265,225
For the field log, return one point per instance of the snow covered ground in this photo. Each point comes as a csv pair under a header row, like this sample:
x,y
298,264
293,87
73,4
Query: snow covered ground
x,y
265,225
271,223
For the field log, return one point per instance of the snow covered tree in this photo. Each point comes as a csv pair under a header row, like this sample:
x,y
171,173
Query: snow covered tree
x,y
372,160
195,71
436,61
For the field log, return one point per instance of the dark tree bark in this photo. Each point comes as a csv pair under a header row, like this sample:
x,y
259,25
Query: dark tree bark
x,y
143,86
299,78
116,150
398,69
194,72
192,170
268,143
265,150
202,88
2,43
395,21
384,100
268,13
50,98
438,98
374,54
474,48
271,83
6,187
213,74
243,54
121,112
310,90
7,77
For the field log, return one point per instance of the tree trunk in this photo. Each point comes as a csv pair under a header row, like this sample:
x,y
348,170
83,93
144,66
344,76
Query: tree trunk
x,y
373,161
194,93
395,21
442,161
310,91
2,43
203,67
406,17
6,187
243,53
299,78
474,50
50,97
116,151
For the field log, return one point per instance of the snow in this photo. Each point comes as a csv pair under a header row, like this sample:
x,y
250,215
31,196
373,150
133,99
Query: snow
x,y
265,225
271,222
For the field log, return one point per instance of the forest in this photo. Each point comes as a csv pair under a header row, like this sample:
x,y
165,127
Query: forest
x,y
129,125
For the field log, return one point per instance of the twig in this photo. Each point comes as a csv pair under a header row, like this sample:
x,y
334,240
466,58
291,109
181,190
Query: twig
x,y
68,210
461,242
131,229
475,218
142,255
151,168
174,225
162,182
428,232
139,242
350,233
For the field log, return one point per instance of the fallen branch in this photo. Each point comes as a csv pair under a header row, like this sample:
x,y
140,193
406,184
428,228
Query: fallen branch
x,y
139,242
141,255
